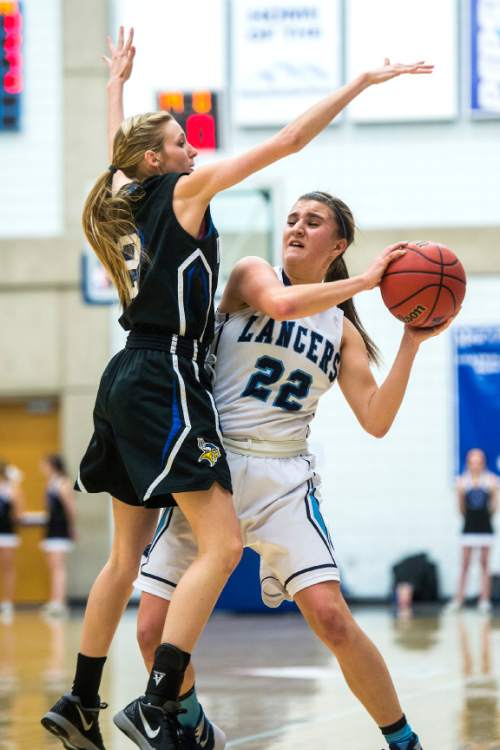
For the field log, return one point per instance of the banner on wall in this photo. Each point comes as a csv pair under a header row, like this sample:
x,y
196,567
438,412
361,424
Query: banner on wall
x,y
477,357
286,56
485,56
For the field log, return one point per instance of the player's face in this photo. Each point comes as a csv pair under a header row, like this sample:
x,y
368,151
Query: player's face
x,y
177,154
310,240
475,460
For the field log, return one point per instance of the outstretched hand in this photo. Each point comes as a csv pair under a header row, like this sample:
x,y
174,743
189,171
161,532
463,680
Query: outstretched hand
x,y
121,59
392,70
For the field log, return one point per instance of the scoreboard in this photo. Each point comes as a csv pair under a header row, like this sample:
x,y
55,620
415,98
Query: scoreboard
x,y
197,113
11,65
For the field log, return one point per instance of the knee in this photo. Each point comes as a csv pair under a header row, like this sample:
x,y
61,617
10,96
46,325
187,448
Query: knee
x,y
148,638
229,553
123,568
332,624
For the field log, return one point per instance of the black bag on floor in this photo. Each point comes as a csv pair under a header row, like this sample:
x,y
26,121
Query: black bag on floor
x,y
421,573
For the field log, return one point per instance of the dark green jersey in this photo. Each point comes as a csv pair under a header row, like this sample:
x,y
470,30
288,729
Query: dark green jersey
x,y
174,275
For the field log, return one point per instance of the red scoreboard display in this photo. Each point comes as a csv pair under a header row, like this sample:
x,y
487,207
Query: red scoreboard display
x,y
11,65
197,113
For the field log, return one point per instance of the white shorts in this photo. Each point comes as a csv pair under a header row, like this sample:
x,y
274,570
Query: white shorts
x,y
9,540
478,540
278,505
57,544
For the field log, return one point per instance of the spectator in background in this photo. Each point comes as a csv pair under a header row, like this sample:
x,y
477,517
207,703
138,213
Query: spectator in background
x,y
60,535
10,512
477,500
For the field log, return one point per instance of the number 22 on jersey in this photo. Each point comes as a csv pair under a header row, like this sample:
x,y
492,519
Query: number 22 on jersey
x,y
269,372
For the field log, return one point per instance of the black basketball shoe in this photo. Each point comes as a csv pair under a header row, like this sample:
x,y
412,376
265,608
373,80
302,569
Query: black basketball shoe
x,y
76,726
152,727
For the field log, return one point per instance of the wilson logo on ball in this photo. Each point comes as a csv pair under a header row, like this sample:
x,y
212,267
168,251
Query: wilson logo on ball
x,y
413,315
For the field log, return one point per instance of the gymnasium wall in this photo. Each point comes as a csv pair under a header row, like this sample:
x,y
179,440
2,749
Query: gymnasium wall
x,y
434,180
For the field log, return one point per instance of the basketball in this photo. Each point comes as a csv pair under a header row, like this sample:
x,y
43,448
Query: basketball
x,y
424,287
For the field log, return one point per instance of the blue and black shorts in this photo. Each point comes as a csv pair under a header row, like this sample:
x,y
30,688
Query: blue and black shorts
x,y
156,428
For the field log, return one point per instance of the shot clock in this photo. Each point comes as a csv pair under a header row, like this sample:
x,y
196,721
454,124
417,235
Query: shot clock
x,y
11,65
197,113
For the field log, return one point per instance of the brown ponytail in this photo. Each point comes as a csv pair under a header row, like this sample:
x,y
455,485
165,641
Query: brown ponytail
x,y
109,219
338,269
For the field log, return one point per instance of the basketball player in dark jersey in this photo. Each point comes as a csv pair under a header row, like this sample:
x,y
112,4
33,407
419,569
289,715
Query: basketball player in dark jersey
x,y
157,441
60,531
477,501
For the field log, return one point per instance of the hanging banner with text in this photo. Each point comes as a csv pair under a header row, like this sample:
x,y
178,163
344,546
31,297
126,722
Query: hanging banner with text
x,y
485,56
477,357
286,56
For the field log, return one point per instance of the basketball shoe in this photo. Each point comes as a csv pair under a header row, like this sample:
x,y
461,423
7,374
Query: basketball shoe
x,y
205,735
75,725
152,727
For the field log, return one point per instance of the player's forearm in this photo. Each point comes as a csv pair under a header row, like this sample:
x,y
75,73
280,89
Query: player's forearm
x,y
301,300
387,399
115,114
319,116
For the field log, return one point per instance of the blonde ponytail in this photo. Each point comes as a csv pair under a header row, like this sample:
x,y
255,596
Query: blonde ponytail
x,y
108,218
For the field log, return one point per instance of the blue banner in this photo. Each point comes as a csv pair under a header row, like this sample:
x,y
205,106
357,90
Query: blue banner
x,y
477,357
485,56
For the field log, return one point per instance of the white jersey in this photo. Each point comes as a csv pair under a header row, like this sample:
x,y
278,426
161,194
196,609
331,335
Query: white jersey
x,y
270,374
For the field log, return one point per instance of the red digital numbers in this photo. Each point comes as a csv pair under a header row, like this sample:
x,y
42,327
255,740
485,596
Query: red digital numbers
x,y
11,64
196,112
12,47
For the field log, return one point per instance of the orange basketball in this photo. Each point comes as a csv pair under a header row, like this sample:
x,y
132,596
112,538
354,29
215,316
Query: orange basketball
x,y
425,286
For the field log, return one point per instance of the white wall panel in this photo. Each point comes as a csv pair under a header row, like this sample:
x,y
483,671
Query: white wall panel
x,y
405,32
31,159
388,498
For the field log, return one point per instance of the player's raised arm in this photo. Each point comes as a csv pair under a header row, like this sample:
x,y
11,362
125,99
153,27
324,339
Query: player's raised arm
x,y
120,63
209,180
253,283
376,406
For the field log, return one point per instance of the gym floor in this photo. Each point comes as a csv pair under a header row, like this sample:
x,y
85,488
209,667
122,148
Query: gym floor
x,y
270,684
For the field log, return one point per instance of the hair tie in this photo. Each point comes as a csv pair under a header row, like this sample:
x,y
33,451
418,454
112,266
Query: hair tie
x,y
112,168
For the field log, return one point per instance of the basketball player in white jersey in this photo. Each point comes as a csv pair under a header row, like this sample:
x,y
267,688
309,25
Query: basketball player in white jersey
x,y
279,347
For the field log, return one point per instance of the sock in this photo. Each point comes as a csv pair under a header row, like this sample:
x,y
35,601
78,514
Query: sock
x,y
167,674
192,707
400,733
88,679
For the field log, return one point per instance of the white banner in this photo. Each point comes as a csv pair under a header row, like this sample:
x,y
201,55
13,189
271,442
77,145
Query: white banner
x,y
286,56
404,31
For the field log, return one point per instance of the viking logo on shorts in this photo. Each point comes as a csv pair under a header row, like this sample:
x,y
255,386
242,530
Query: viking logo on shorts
x,y
209,452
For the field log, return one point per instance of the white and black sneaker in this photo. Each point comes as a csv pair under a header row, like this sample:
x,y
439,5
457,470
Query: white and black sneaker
x,y
152,727
76,726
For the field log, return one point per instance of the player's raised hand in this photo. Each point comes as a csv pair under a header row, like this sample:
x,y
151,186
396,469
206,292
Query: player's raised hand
x,y
392,70
121,56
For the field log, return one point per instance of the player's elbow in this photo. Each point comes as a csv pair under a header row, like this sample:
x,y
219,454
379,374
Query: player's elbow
x,y
278,308
377,430
290,140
